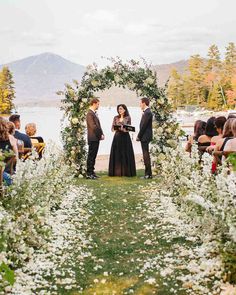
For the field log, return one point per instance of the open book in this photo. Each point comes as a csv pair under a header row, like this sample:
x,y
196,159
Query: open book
x,y
127,127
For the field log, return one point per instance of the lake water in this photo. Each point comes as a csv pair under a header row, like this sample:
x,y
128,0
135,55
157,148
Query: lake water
x,y
48,121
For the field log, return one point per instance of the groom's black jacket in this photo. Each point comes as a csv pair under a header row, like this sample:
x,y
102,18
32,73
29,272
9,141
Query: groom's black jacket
x,y
145,133
94,129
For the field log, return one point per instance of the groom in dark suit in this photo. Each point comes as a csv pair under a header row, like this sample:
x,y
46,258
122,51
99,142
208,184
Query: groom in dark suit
x,y
95,134
145,135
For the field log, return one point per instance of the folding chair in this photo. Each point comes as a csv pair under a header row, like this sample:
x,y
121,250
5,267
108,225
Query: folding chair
x,y
39,147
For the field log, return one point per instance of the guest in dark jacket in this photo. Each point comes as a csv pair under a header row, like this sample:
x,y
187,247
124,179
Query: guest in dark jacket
x,y
145,135
15,119
95,134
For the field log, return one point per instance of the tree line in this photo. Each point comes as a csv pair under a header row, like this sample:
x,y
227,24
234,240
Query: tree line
x,y
7,91
207,82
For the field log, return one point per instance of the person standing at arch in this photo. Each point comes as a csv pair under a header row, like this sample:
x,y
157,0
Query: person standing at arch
x,y
122,160
94,134
145,135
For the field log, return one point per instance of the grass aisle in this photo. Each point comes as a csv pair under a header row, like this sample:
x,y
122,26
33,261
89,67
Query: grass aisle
x,y
126,242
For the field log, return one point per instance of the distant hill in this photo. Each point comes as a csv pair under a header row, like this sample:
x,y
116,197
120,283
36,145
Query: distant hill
x,y
38,78
163,71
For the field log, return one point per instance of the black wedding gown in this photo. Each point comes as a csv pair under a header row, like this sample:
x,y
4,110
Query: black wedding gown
x,y
122,161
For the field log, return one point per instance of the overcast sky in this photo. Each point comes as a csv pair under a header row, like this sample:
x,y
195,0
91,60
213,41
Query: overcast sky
x,y
83,31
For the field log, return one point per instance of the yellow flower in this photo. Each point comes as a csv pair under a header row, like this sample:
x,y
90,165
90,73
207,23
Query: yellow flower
x,y
149,81
75,121
95,83
131,86
117,79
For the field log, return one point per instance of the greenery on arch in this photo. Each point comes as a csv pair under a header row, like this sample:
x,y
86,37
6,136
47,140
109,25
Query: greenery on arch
x,y
136,77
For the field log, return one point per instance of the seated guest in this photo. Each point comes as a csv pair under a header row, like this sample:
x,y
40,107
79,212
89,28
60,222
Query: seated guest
x,y
221,142
199,129
219,124
210,131
6,146
37,141
226,136
204,140
13,140
31,130
231,144
231,116
15,119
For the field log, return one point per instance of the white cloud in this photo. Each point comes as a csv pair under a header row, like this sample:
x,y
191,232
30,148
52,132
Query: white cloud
x,y
163,31
137,28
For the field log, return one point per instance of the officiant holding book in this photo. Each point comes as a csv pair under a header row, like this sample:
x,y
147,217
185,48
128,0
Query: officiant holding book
x,y
122,161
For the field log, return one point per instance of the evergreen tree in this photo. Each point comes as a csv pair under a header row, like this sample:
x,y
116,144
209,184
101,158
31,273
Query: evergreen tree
x,y
207,82
229,63
7,91
215,98
196,80
213,61
175,89
213,73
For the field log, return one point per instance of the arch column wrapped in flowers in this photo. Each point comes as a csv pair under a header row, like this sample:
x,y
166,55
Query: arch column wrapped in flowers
x,y
141,79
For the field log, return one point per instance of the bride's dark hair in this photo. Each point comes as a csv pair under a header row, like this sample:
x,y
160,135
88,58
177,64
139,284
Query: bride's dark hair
x,y
125,108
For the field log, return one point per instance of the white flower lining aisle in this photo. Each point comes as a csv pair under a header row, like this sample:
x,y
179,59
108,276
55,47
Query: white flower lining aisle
x,y
173,235
43,225
199,209
52,269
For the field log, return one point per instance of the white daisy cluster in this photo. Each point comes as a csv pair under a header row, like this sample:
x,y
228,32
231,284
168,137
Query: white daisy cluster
x,y
199,208
35,215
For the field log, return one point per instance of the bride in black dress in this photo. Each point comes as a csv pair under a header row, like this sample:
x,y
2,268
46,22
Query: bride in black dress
x,y
122,162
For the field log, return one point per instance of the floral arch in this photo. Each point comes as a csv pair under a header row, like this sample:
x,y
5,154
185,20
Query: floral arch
x,y
136,77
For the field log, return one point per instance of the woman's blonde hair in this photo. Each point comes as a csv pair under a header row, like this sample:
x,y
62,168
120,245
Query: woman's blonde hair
x,y
30,129
11,128
233,127
4,135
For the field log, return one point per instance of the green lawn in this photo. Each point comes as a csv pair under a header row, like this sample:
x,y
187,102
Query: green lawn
x,y
119,235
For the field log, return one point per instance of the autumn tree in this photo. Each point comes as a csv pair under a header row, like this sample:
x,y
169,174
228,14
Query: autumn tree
x,y
7,91
175,89
196,80
213,63
230,60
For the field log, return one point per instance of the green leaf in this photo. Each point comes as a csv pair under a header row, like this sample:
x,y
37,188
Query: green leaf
x,y
7,273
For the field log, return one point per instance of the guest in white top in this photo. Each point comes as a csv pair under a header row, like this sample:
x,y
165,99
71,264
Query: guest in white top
x,y
231,144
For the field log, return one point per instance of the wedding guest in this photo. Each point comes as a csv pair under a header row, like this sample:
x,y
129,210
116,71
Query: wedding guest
x,y
231,144
145,135
94,134
226,135
199,129
6,146
122,161
15,119
231,116
13,140
219,124
31,130
210,131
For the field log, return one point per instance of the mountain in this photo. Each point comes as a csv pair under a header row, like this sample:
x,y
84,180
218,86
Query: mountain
x,y
38,78
163,70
